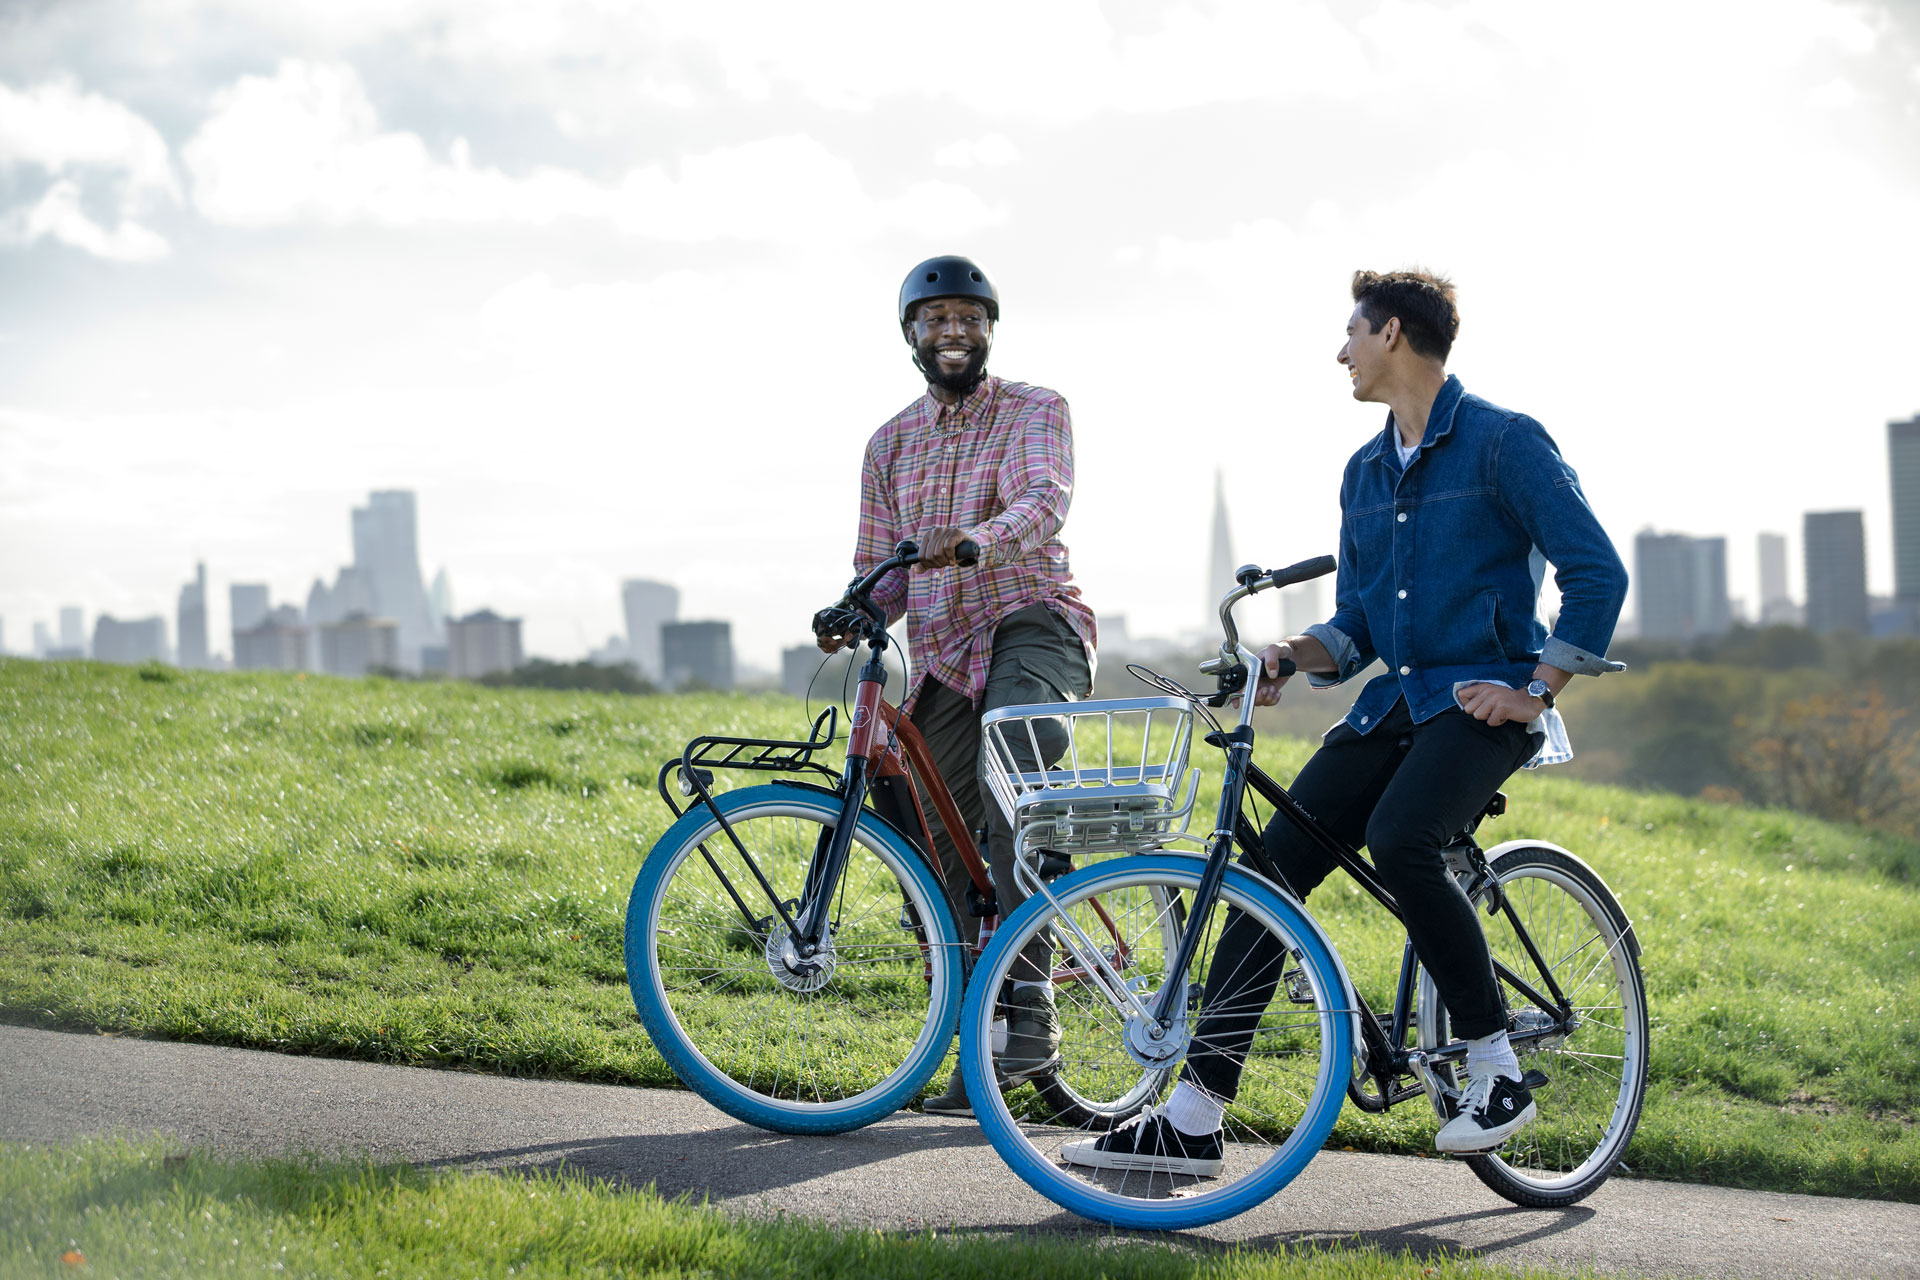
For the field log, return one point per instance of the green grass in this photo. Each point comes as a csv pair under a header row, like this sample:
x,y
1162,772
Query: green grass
x,y
110,1208
438,875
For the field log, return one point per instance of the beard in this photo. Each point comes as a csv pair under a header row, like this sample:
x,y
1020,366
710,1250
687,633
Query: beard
x,y
961,383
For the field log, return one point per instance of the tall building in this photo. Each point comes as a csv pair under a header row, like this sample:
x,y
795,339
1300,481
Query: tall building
x,y
73,633
191,622
440,597
247,605
1903,465
141,640
697,654
1711,613
1663,585
386,551
279,642
648,607
482,643
1775,604
1680,586
42,640
1220,563
358,644
1300,607
1835,545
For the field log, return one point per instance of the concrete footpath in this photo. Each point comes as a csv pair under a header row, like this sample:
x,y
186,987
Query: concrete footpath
x,y
908,1172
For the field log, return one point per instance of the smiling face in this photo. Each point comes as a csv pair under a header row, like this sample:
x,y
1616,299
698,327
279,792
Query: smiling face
x,y
1365,354
952,337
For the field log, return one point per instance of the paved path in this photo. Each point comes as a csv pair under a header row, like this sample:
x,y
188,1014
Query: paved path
x,y
908,1172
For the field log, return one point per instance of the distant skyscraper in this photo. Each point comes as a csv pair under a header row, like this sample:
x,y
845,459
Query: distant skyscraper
x,y
279,642
1680,585
191,622
1775,606
1663,585
1836,566
1220,563
482,643
1903,465
42,640
386,552
142,640
73,633
697,653
1711,615
247,605
358,644
440,596
648,606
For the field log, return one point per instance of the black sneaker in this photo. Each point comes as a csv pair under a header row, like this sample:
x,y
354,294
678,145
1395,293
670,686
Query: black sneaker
x,y
1491,1111
1148,1142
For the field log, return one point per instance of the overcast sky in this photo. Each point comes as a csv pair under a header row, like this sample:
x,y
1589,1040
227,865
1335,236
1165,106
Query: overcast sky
x,y
611,286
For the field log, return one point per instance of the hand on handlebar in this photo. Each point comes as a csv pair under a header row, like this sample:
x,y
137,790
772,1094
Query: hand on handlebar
x,y
834,628
1267,692
940,547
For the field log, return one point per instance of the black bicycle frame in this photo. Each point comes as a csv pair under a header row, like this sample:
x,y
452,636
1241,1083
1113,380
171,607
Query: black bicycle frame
x,y
1386,1055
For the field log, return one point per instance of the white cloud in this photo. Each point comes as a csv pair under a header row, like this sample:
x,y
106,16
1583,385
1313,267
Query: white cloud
x,y
59,216
304,145
989,152
63,130
90,146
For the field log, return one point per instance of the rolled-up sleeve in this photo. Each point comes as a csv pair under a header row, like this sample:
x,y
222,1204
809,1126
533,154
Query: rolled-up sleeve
x,y
1038,474
1346,635
877,537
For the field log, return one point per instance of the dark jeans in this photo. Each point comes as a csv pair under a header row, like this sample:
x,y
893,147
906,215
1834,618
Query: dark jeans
x,y
1403,791
1037,657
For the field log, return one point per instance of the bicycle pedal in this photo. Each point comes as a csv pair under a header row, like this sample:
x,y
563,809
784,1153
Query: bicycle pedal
x,y
1535,1079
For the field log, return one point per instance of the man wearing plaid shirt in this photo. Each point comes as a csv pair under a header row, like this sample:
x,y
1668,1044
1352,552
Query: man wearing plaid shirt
x,y
980,458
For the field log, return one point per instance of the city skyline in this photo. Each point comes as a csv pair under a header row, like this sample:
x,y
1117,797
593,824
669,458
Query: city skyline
x,y
264,258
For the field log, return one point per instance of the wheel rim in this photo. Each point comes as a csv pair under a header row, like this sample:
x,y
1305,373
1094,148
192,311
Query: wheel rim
x,y
1095,1104
1290,1090
812,1044
1596,1073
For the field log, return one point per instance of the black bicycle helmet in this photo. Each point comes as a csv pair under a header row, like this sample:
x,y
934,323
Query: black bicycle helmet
x,y
947,277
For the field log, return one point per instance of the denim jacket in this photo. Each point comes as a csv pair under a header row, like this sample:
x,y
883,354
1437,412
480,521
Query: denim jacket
x,y
1440,564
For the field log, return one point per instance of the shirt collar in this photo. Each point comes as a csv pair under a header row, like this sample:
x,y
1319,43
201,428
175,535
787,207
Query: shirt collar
x,y
974,410
1439,423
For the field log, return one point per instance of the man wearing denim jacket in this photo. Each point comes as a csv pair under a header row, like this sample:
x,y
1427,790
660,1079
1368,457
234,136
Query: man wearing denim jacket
x,y
1448,517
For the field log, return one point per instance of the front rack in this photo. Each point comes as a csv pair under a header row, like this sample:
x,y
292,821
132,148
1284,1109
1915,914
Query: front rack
x,y
1121,782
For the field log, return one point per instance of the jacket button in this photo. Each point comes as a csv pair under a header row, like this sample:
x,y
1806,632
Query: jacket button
x,y
1403,595
1402,517
1365,719
1406,671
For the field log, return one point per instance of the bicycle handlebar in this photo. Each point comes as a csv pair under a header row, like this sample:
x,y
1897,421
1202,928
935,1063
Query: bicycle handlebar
x,y
906,552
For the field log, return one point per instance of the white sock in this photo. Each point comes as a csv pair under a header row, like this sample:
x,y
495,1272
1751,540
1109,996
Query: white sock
x,y
1492,1053
1193,1112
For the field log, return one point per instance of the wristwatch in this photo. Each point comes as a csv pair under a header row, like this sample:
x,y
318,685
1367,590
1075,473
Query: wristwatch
x,y
1538,689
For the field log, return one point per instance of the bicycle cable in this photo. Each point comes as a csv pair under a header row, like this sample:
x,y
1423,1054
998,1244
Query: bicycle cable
x,y
1167,684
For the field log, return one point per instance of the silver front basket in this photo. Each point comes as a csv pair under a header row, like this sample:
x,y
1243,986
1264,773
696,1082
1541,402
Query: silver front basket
x,y
1118,780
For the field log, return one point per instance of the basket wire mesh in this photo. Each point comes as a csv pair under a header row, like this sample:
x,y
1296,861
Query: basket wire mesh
x,y
1106,776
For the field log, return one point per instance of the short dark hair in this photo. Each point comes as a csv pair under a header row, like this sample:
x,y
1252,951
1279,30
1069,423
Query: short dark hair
x,y
1423,302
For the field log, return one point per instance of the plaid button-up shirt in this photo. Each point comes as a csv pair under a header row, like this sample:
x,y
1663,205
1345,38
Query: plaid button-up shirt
x,y
999,465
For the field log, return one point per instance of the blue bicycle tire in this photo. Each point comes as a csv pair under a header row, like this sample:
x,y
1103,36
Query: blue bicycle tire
x,y
1076,1192
656,1003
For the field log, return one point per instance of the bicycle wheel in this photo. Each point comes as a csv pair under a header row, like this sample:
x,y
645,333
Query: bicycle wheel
x,y
1161,911
1596,1069
1291,1090
819,1052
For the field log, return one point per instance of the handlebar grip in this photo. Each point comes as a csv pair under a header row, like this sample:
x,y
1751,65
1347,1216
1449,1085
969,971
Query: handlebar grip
x,y
1286,668
1306,570
967,554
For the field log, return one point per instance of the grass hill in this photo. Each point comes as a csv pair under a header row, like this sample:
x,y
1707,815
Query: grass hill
x,y
437,874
